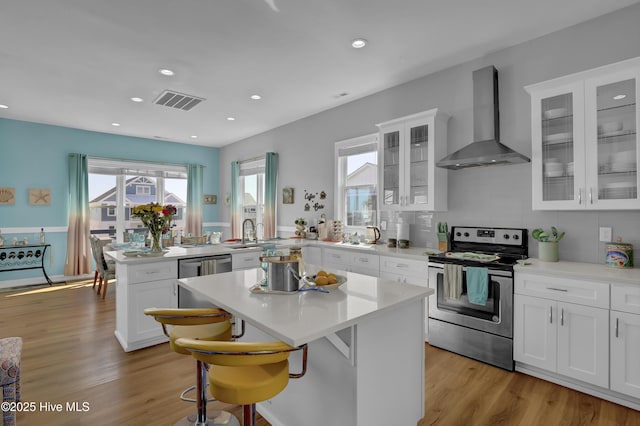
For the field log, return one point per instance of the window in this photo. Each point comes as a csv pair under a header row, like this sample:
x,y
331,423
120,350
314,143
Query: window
x,y
116,186
143,190
252,187
357,181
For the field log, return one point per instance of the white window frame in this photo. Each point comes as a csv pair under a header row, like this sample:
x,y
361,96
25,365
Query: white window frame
x,y
341,174
143,189
249,168
123,168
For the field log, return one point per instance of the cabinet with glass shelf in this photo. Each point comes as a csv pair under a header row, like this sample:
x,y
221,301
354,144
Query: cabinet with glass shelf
x,y
409,148
585,151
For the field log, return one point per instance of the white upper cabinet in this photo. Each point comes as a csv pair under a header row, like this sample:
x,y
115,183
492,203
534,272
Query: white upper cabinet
x,y
585,151
408,150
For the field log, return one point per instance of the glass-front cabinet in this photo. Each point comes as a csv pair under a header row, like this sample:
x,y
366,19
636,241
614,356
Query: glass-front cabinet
x,y
409,147
585,151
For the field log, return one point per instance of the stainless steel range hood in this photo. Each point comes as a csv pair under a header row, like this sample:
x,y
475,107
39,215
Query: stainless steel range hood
x,y
486,150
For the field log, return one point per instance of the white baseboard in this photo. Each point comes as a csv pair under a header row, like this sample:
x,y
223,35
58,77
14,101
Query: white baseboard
x,y
25,282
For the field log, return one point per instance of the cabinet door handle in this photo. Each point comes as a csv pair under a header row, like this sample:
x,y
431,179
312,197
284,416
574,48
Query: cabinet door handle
x,y
557,289
364,260
617,320
550,314
562,317
402,265
580,196
590,195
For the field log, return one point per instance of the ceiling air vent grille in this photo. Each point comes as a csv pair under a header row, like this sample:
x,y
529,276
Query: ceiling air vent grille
x,y
177,100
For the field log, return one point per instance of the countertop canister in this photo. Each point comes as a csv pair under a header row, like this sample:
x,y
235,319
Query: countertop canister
x,y
619,254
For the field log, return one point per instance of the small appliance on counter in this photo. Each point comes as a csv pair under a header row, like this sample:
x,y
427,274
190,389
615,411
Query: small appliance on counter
x,y
372,235
619,254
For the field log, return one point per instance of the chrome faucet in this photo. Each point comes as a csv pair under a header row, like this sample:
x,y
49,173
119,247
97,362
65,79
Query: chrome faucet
x,y
244,233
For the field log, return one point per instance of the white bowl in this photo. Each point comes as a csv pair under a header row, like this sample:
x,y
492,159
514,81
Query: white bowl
x,y
610,126
555,112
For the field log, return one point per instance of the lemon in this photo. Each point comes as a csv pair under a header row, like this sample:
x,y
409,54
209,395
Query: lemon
x,y
322,280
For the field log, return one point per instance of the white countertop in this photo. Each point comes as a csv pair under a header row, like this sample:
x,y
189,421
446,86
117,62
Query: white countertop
x,y
179,252
589,271
302,317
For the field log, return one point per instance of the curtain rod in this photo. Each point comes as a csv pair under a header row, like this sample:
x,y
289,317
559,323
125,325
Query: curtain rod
x,y
262,157
164,163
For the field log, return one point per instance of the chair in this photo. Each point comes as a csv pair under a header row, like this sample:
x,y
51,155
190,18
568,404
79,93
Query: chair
x,y
106,270
196,323
10,354
245,373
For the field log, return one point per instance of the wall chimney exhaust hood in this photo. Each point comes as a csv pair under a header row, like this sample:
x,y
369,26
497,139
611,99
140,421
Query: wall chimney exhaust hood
x,y
486,150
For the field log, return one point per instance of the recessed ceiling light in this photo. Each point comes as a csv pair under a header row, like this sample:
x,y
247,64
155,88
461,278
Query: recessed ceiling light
x,y
194,136
3,106
166,71
618,97
115,124
137,99
256,97
231,118
359,43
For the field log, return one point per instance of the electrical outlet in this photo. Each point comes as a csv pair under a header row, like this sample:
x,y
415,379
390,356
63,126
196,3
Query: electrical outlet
x,y
605,234
383,225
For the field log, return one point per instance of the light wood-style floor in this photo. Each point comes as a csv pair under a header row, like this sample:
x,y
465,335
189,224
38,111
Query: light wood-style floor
x,y
70,355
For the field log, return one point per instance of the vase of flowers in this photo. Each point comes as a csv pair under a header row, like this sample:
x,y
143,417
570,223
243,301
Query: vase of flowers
x,y
157,218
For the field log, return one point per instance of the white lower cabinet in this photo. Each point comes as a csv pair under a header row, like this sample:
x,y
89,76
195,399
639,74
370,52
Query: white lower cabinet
x,y
245,260
408,271
571,339
351,261
625,340
138,287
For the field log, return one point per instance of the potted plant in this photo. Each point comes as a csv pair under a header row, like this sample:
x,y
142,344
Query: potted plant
x,y
547,243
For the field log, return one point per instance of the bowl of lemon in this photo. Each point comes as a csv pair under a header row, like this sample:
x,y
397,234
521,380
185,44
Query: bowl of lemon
x,y
325,279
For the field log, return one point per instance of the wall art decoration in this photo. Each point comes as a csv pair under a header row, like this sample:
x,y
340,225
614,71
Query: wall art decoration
x,y
310,197
39,196
210,199
7,195
287,195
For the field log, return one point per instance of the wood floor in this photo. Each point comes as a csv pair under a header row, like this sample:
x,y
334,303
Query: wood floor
x,y
70,355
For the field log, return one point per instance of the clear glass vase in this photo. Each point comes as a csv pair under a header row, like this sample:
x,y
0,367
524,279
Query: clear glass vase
x,y
156,245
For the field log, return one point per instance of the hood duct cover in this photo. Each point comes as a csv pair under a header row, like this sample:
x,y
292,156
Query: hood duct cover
x,y
486,150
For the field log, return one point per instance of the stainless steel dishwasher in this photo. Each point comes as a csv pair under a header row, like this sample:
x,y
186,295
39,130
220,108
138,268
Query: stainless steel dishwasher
x,y
195,267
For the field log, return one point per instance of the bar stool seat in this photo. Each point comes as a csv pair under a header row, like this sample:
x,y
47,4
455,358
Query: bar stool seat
x,y
245,373
203,324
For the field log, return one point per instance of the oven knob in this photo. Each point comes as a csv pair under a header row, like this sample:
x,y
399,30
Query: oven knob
x,y
458,234
466,234
506,236
516,237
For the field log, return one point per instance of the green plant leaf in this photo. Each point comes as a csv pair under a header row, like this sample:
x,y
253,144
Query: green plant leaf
x,y
535,234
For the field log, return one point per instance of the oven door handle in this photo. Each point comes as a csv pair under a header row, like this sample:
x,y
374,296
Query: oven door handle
x,y
497,272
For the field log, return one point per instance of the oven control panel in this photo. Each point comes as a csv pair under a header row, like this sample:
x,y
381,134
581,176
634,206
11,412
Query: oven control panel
x,y
504,236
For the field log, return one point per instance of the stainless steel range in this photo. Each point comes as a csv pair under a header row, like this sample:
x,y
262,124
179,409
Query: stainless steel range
x,y
471,312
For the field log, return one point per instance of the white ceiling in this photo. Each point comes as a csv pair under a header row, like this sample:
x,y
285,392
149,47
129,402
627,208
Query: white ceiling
x,y
77,63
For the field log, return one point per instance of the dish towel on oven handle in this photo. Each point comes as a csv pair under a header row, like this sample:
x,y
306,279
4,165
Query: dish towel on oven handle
x,y
477,285
452,281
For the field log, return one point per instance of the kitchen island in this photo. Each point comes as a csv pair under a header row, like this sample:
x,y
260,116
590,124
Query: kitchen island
x,y
146,281
366,346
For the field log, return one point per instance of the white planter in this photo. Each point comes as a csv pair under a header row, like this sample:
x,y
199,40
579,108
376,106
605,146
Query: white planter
x,y
548,251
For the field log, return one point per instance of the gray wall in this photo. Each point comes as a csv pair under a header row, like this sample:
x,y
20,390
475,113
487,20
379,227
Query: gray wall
x,y
499,195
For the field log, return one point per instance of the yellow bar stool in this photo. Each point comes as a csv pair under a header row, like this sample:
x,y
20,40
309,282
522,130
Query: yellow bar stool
x,y
204,324
245,373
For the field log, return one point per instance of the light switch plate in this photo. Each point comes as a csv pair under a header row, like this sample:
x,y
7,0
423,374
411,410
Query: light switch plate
x,y
605,234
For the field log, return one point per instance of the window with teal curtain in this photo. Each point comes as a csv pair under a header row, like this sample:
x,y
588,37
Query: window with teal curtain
x,y
253,195
270,195
195,183
79,255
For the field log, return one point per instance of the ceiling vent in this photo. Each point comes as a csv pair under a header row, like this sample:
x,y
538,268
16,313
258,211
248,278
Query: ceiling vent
x,y
177,100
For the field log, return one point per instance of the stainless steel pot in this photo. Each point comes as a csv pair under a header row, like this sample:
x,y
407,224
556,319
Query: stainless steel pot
x,y
282,273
